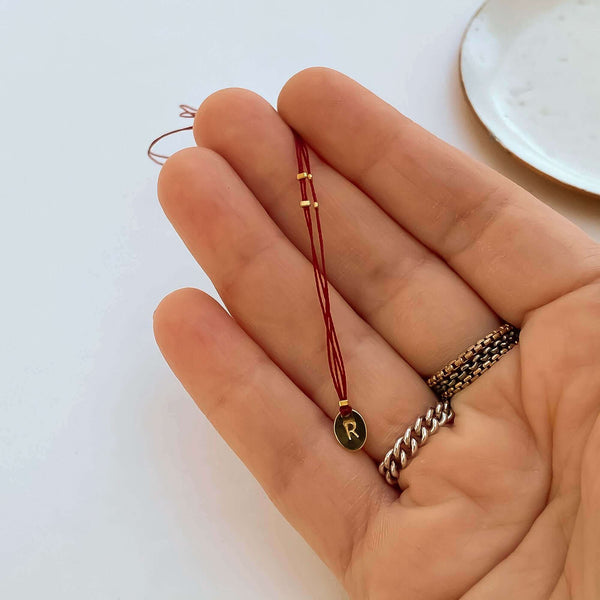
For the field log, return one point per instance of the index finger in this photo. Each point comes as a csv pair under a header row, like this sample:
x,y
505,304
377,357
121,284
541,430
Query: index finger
x,y
514,250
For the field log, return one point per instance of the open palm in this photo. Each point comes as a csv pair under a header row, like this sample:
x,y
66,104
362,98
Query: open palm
x,y
428,251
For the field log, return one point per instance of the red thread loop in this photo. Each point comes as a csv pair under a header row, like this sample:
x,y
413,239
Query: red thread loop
x,y
187,112
334,353
345,411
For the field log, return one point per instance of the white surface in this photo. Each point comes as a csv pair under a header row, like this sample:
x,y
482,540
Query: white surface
x,y
530,70
112,485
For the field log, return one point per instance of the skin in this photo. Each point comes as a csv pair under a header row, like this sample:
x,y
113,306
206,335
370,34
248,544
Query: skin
x,y
427,251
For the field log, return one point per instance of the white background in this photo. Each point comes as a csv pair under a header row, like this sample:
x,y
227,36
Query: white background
x,y
112,484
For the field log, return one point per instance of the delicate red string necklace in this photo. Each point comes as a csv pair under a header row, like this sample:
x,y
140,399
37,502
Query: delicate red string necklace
x,y
349,426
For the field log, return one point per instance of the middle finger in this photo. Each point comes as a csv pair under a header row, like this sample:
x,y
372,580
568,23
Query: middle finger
x,y
402,289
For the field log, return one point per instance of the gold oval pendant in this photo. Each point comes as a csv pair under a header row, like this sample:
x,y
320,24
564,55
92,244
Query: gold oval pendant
x,y
350,431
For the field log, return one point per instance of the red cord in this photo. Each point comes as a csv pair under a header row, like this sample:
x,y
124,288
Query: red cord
x,y
334,353
187,112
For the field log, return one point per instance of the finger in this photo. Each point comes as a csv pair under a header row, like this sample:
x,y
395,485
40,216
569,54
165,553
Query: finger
x,y
586,538
268,286
515,251
283,438
377,266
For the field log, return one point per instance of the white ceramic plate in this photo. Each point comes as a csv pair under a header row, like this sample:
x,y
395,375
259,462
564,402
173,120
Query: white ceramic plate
x,y
531,71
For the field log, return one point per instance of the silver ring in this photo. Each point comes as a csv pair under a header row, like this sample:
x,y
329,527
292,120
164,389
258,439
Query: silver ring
x,y
408,444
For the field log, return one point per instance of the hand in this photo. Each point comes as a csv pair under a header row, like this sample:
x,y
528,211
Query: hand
x,y
428,251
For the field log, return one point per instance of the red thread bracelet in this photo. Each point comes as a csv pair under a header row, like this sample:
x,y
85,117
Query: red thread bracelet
x,y
349,426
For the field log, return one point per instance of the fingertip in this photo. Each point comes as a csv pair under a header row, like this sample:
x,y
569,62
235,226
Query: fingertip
x,y
175,170
218,118
189,176
178,313
293,92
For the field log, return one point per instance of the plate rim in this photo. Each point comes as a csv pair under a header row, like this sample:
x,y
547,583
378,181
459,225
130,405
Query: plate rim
x,y
494,137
